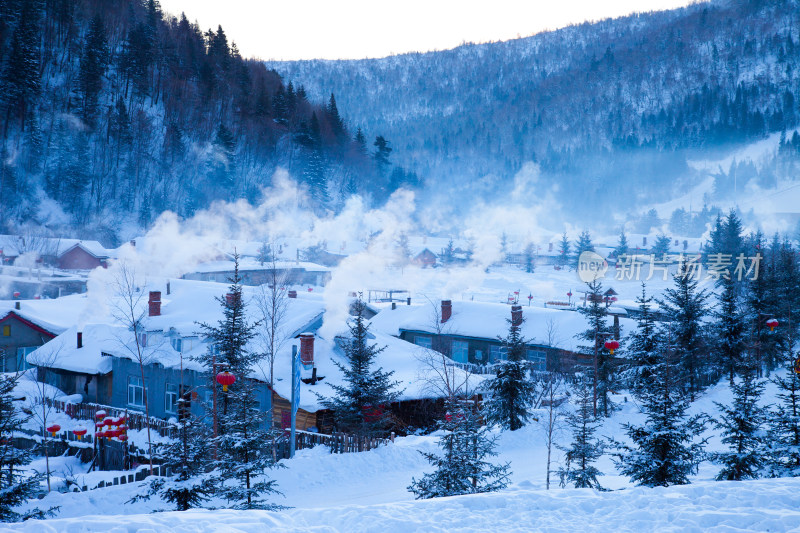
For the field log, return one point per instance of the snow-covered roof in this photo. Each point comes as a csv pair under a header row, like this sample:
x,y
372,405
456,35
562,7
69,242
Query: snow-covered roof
x,y
53,315
548,327
250,264
92,247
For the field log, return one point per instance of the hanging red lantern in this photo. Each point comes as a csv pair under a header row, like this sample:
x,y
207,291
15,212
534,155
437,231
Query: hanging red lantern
x,y
122,427
99,434
107,422
79,432
611,346
100,414
123,438
225,379
55,428
772,323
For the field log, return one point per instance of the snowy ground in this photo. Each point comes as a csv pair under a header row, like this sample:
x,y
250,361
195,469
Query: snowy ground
x,y
765,505
367,492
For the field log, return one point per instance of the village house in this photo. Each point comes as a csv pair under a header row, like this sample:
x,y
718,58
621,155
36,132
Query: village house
x,y
254,272
24,326
470,333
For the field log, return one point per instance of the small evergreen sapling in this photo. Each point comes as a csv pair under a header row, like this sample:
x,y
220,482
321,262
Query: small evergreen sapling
x,y
461,466
585,449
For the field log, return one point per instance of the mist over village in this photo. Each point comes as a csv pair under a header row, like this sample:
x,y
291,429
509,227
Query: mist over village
x,y
532,283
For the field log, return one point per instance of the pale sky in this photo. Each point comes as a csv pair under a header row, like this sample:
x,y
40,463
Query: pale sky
x,y
354,29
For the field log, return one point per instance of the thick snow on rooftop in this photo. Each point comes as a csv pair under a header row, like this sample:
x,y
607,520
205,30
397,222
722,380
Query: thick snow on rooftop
x,y
246,264
549,327
54,315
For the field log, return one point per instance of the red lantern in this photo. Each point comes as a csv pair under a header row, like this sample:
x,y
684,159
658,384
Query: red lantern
x,y
17,294
611,346
225,379
100,414
123,438
79,432
107,422
797,366
122,427
55,428
772,324
99,434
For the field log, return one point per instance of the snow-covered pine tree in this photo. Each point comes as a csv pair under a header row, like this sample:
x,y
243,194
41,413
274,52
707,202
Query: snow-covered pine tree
x,y
242,445
585,449
17,485
361,404
584,244
598,332
188,458
245,452
664,450
729,329
461,466
642,345
784,421
510,394
685,305
621,249
742,425
563,250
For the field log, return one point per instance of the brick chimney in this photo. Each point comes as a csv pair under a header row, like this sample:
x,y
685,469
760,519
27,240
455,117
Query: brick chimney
x,y
80,339
550,247
516,315
292,294
17,305
447,310
307,349
154,304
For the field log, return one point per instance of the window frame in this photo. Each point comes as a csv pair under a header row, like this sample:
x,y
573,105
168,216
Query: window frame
x,y
427,341
171,390
134,383
458,347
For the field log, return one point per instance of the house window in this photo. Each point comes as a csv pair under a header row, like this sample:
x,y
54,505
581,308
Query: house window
x,y
143,340
423,340
496,353
171,399
135,391
6,331
538,358
177,344
479,356
460,351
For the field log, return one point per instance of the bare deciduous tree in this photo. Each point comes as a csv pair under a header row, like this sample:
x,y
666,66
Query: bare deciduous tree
x,y
129,308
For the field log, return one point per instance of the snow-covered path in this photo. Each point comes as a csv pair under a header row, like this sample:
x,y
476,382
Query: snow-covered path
x,y
764,505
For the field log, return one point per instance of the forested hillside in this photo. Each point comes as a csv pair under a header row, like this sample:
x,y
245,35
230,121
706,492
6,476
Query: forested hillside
x,y
611,110
112,112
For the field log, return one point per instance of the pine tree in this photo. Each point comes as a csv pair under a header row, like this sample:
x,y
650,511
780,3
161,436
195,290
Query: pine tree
x,y
664,450
622,245
729,329
661,246
584,244
784,420
242,447
742,424
94,61
221,164
603,374
17,486
188,459
510,394
584,449
564,251
337,124
461,466
642,345
686,307
20,81
381,155
361,404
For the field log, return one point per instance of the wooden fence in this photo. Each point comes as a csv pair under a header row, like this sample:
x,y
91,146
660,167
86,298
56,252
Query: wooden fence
x,y
135,419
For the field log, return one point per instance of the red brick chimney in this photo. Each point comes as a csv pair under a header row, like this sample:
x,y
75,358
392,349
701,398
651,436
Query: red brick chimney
x,y
307,349
80,339
154,303
516,315
447,310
